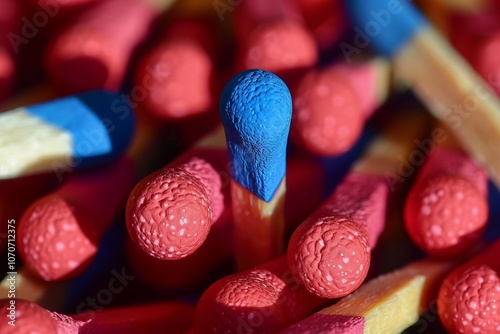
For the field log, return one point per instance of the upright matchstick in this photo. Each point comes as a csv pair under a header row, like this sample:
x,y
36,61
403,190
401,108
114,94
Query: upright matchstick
x,y
453,92
256,111
73,132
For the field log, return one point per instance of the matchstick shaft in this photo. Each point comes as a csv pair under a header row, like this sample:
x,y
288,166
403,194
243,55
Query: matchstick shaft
x,y
455,94
265,221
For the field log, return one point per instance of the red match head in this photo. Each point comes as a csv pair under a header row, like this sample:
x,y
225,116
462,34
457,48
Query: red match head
x,y
486,61
331,255
282,47
28,318
169,213
469,300
7,68
328,115
445,215
177,80
52,243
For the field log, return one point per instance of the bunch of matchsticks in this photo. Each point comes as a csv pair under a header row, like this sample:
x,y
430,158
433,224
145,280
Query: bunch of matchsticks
x,y
221,166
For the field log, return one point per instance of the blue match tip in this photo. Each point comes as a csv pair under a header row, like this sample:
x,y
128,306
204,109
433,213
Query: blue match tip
x,y
101,124
387,25
256,111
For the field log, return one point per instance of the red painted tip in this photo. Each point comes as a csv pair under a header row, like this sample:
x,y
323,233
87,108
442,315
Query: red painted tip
x,y
280,47
469,300
446,210
28,318
486,61
94,51
265,299
7,72
52,242
79,61
445,215
169,213
326,19
330,255
177,77
328,115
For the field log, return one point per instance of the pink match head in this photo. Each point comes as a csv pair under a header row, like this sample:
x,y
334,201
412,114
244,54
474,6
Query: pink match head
x,y
486,60
177,80
283,47
169,213
445,215
469,300
52,242
331,255
28,318
328,116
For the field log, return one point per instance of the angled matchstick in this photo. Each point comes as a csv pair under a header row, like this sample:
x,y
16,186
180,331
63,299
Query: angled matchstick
x,y
444,81
387,304
69,133
93,52
330,251
58,235
256,111
175,317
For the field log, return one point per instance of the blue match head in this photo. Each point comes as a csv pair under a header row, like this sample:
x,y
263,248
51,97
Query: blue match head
x,y
385,25
100,123
256,111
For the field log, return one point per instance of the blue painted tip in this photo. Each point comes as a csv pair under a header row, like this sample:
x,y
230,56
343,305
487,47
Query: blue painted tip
x,y
101,124
256,111
385,25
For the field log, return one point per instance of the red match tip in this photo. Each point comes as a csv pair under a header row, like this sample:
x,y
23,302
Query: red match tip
x,y
328,115
59,233
94,51
265,299
319,323
176,77
52,242
330,251
280,47
469,298
486,61
170,212
446,211
26,317
7,69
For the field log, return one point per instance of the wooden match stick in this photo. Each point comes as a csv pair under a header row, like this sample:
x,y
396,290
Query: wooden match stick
x,y
453,92
387,304
330,250
69,133
256,111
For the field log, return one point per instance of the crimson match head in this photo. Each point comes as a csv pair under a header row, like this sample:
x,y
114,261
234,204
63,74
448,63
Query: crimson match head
x,y
170,212
27,318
